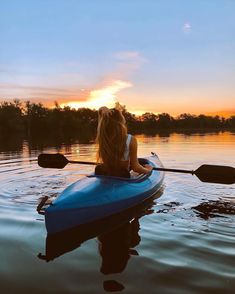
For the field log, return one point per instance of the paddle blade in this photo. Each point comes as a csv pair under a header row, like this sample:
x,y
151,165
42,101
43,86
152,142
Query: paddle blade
x,y
216,174
52,160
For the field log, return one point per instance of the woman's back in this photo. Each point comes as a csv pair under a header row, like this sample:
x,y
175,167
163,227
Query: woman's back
x,y
117,150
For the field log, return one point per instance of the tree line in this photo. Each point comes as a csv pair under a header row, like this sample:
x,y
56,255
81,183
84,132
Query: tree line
x,y
34,119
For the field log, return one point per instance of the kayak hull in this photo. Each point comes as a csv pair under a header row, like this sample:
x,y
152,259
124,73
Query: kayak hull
x,y
95,197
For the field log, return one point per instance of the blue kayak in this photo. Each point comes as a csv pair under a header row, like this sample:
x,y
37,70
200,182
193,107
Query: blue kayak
x,y
95,197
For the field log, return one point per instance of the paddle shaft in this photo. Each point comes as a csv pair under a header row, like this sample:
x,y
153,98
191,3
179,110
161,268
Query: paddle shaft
x,y
155,168
82,162
174,170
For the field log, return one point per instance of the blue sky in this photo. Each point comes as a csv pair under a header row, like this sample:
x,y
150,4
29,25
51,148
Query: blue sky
x,y
163,56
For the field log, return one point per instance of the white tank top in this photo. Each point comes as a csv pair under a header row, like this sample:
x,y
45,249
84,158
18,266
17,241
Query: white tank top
x,y
127,148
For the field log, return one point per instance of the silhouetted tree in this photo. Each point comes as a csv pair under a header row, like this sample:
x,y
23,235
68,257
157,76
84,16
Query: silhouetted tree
x,y
35,117
230,122
131,120
165,121
11,117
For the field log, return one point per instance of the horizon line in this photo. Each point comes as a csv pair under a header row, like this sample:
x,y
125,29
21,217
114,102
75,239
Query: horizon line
x,y
221,113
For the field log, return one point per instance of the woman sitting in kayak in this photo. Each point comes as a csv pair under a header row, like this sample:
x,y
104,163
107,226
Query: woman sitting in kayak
x,y
117,150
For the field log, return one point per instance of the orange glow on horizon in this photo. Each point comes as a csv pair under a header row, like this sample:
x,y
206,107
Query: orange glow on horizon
x,y
223,113
141,112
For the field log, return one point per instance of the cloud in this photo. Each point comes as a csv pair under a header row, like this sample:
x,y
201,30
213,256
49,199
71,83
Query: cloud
x,y
105,95
79,97
130,56
77,88
35,93
127,63
127,55
187,27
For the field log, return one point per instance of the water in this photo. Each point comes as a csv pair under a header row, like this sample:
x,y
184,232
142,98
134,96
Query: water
x,y
184,244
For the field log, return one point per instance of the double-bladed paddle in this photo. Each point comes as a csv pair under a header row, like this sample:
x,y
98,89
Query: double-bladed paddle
x,y
206,173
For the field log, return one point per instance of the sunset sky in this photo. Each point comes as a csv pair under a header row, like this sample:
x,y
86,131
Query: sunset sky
x,y
170,56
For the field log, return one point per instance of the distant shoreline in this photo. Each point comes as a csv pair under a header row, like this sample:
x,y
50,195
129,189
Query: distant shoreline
x,y
28,119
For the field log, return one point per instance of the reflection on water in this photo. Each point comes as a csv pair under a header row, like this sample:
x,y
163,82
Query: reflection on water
x,y
117,236
216,208
184,244
116,247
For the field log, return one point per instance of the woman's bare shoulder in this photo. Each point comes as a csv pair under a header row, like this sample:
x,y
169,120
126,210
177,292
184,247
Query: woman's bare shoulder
x,y
133,143
133,139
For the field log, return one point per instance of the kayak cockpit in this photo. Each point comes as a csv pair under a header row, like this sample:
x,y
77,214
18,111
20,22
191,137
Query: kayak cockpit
x,y
134,176
138,178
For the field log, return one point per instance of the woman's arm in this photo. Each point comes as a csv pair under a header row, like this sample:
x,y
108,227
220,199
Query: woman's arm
x,y
134,159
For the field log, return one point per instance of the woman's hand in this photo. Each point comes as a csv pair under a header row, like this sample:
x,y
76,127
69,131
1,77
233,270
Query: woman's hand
x,y
148,168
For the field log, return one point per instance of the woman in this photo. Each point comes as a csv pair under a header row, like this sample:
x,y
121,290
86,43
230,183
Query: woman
x,y
117,150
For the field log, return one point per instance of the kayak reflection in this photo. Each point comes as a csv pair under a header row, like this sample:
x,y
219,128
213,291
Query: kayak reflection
x,y
117,236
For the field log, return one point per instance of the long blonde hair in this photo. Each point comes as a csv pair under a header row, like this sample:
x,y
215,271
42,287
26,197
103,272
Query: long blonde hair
x,y
111,137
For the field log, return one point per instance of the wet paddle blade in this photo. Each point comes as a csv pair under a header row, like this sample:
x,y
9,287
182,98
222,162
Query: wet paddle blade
x,y
52,160
216,174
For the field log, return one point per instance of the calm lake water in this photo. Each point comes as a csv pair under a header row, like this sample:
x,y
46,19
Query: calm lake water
x,y
184,242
